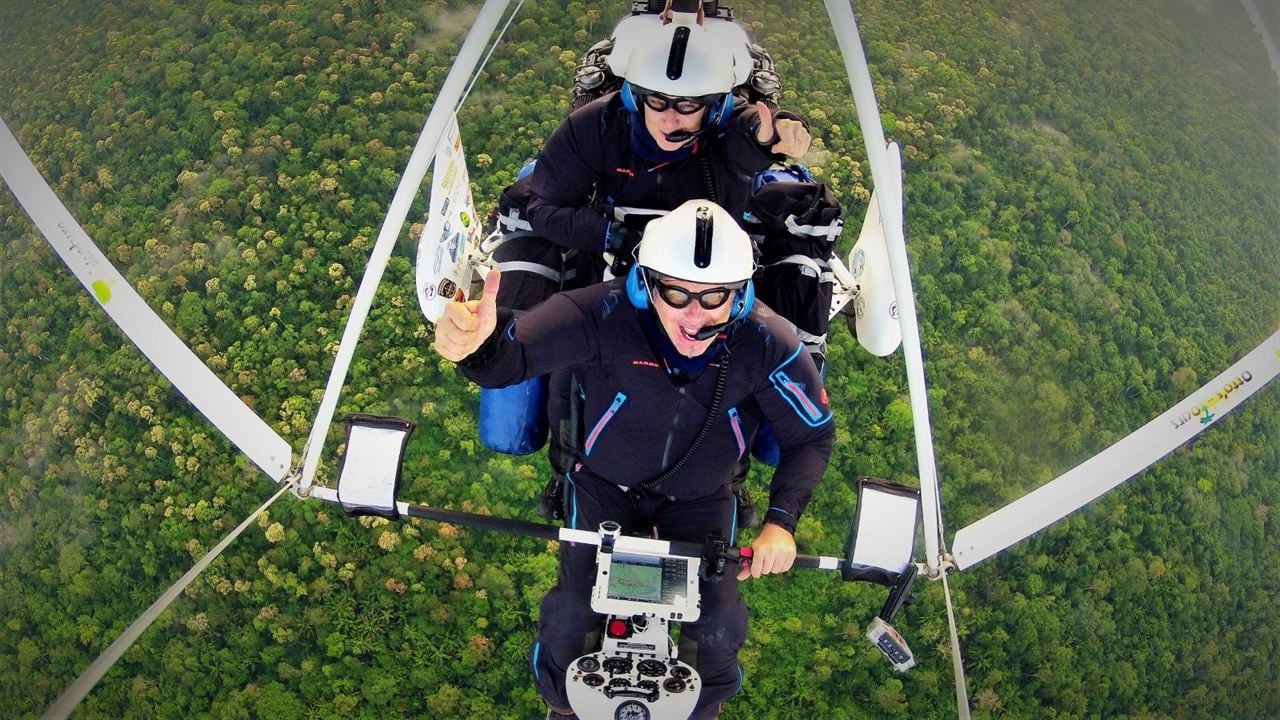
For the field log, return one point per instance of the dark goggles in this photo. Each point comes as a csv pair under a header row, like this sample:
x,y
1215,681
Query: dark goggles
x,y
682,105
678,297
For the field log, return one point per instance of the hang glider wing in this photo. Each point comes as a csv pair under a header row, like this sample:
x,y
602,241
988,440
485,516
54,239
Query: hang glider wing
x,y
1087,481
217,402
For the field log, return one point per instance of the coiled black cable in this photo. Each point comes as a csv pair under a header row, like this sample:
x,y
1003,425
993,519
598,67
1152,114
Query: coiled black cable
x,y
653,484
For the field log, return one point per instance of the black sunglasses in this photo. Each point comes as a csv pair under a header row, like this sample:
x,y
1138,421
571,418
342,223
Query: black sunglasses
x,y
678,297
682,105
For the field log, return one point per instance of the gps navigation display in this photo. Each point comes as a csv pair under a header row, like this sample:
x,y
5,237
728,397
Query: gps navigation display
x,y
634,577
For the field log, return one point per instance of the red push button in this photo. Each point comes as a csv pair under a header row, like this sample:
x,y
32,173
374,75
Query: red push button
x,y
618,628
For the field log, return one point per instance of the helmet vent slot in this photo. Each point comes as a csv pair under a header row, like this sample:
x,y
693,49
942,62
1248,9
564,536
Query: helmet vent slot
x,y
702,237
675,60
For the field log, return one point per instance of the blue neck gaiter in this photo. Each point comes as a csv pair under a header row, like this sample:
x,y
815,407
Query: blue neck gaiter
x,y
678,366
643,144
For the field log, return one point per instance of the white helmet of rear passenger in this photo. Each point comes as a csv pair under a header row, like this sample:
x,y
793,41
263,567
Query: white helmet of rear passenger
x,y
698,242
680,60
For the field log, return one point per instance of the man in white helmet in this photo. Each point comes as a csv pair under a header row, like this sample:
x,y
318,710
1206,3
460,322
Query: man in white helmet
x,y
679,367
674,132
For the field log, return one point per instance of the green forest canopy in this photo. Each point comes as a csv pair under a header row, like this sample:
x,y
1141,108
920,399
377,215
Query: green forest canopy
x,y
1091,208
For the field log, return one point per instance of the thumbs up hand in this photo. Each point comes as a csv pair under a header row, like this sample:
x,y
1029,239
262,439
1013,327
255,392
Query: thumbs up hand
x,y
464,326
786,136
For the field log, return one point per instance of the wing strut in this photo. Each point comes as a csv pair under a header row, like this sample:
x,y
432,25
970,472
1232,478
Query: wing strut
x,y
886,172
1082,484
77,690
441,112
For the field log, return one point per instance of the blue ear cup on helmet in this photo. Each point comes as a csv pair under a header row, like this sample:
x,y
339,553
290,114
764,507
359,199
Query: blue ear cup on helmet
x,y
718,116
743,303
638,288
628,96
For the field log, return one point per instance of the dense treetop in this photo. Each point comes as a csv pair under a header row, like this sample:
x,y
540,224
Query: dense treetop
x,y
1091,217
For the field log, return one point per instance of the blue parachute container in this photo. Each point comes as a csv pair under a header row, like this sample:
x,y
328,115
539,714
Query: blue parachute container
x,y
794,173
765,447
513,419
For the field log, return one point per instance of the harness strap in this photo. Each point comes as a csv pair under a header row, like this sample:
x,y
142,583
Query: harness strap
x,y
810,338
816,267
531,268
830,231
511,221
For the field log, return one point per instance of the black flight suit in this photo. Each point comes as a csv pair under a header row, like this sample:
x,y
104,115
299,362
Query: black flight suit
x,y
642,417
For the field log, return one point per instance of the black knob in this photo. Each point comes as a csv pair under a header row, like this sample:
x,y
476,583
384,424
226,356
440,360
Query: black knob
x,y
652,668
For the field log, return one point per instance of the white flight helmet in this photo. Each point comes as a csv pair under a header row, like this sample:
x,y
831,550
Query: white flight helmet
x,y
698,242
634,31
681,60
